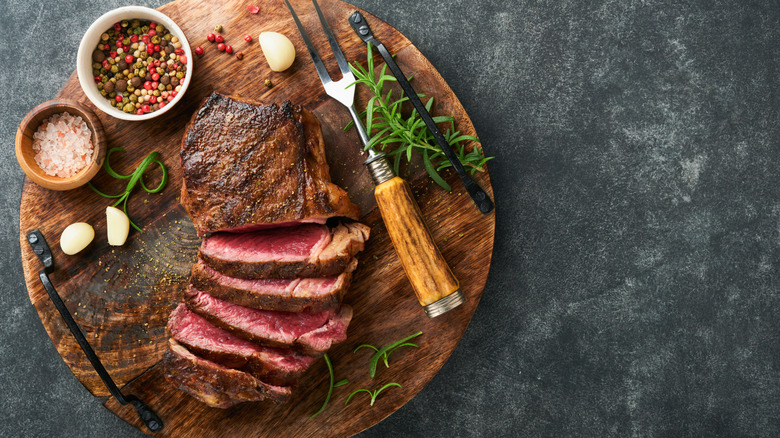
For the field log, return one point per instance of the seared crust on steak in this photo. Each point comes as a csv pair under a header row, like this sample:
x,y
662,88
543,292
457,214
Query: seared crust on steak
x,y
213,384
246,166
224,252
290,295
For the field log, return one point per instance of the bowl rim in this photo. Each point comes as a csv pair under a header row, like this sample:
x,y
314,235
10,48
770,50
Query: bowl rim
x,y
98,144
89,41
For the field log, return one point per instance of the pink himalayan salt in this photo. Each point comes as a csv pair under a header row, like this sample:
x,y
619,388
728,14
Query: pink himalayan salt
x,y
62,145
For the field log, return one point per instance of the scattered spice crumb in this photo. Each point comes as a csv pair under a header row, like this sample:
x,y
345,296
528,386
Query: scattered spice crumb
x,y
253,9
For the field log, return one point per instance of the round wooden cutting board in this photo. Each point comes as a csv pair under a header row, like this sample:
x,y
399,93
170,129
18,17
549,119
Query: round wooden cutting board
x,y
121,297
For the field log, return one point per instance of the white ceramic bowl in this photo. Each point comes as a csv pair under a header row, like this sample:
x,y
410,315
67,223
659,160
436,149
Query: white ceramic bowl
x,y
90,41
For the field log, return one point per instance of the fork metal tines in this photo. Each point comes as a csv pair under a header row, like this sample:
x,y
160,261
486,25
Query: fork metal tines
x,y
339,90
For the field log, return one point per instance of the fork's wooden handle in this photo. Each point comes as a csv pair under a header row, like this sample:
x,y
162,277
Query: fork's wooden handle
x,y
427,270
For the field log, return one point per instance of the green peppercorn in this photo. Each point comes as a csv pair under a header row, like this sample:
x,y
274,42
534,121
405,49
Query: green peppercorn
x,y
218,28
112,102
268,83
103,93
160,28
130,88
129,108
133,98
104,37
145,28
124,23
167,37
156,39
114,69
157,92
180,74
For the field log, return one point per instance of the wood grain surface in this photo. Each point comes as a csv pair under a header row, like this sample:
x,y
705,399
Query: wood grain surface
x,y
121,297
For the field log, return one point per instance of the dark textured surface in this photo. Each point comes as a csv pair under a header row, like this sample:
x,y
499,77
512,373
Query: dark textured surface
x,y
634,289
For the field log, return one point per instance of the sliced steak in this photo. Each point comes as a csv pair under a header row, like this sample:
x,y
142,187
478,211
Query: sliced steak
x,y
275,366
309,250
246,166
290,295
214,384
311,333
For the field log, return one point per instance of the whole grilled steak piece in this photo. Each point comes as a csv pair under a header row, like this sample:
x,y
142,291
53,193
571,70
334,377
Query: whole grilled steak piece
x,y
275,366
248,166
290,295
214,384
309,250
310,333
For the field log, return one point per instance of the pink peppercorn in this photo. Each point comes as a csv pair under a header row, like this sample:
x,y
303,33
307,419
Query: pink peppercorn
x,y
134,38
117,27
162,105
153,25
146,108
152,32
97,79
112,54
157,48
118,98
183,59
129,59
211,37
139,112
221,47
248,38
229,49
199,51
148,85
155,77
153,99
219,39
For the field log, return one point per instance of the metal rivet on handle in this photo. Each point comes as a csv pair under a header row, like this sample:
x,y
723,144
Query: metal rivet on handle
x,y
356,18
363,30
32,238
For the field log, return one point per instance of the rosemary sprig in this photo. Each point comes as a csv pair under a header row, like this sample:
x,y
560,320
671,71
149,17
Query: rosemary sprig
x,y
400,136
373,394
331,386
384,352
135,178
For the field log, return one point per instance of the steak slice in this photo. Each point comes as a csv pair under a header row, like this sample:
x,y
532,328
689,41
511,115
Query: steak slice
x,y
214,384
248,166
309,250
275,366
290,295
311,333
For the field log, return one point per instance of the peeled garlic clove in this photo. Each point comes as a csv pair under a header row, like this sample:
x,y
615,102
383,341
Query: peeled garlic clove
x,y
278,50
117,226
76,237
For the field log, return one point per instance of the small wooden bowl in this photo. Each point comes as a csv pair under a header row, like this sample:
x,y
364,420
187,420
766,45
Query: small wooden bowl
x,y
26,155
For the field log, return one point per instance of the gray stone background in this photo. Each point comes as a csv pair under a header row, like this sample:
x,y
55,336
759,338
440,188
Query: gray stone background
x,y
634,288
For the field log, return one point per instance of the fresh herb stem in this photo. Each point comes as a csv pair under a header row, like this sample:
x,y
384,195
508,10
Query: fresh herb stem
x,y
373,394
400,136
135,178
384,352
331,386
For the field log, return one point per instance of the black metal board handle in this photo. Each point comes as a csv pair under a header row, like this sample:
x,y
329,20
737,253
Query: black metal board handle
x,y
479,196
41,249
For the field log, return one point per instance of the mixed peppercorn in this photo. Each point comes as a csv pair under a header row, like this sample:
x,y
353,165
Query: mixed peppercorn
x,y
139,66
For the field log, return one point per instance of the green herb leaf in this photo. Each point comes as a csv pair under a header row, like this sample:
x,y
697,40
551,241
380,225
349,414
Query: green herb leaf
x,y
135,178
403,136
330,387
383,351
358,391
